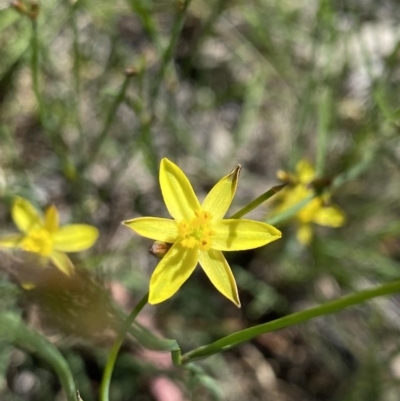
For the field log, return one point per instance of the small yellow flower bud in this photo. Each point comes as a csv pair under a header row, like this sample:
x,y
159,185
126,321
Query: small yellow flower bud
x,y
285,177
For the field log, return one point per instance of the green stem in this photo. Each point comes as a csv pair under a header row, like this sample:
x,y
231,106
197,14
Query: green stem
x,y
112,357
49,128
146,132
35,65
204,31
76,54
293,319
15,332
109,120
144,9
292,211
324,115
258,201
168,53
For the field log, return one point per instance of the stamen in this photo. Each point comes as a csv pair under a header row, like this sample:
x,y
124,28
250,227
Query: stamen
x,y
197,232
38,241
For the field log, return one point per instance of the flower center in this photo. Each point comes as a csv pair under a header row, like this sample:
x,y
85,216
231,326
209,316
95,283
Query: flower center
x,y
38,241
197,232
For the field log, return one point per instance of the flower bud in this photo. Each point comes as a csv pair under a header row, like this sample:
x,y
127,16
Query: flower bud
x,y
159,249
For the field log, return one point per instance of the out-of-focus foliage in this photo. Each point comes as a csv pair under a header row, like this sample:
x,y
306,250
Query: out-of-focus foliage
x,y
94,93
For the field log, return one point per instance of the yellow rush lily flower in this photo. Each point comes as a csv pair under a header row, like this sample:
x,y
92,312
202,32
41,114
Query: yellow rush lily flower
x,y
198,233
316,211
44,236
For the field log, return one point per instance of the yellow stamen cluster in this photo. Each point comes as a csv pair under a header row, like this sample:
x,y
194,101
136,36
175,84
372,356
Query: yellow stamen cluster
x,y
38,241
197,232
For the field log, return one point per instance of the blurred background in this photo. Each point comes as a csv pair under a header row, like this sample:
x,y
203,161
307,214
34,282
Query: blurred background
x,y
93,94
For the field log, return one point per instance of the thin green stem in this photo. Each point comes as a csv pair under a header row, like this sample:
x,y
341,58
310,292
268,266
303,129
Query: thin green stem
x,y
144,9
258,201
292,211
35,68
76,55
204,32
145,132
324,116
253,98
295,318
15,332
145,142
168,53
95,149
112,357
48,125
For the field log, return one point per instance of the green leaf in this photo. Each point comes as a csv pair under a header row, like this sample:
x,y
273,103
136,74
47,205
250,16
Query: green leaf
x,y
14,331
327,308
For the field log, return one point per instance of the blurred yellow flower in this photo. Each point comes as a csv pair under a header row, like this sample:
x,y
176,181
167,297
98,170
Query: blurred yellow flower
x,y
44,236
198,234
316,211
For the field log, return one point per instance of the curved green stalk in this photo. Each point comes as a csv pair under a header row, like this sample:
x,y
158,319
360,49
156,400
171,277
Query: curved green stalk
x,y
290,320
15,332
112,357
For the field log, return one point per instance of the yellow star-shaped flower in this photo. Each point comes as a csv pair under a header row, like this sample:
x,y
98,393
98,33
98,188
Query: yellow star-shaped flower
x,y
317,211
198,234
45,237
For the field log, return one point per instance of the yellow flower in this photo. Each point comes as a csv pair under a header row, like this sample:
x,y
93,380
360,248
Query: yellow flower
x,y
45,237
316,211
198,234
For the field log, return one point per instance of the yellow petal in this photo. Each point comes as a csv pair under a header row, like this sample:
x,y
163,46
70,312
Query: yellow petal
x,y
62,262
75,238
310,210
218,271
11,241
51,219
305,172
165,230
291,196
25,216
177,191
304,234
220,197
331,216
173,270
240,234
